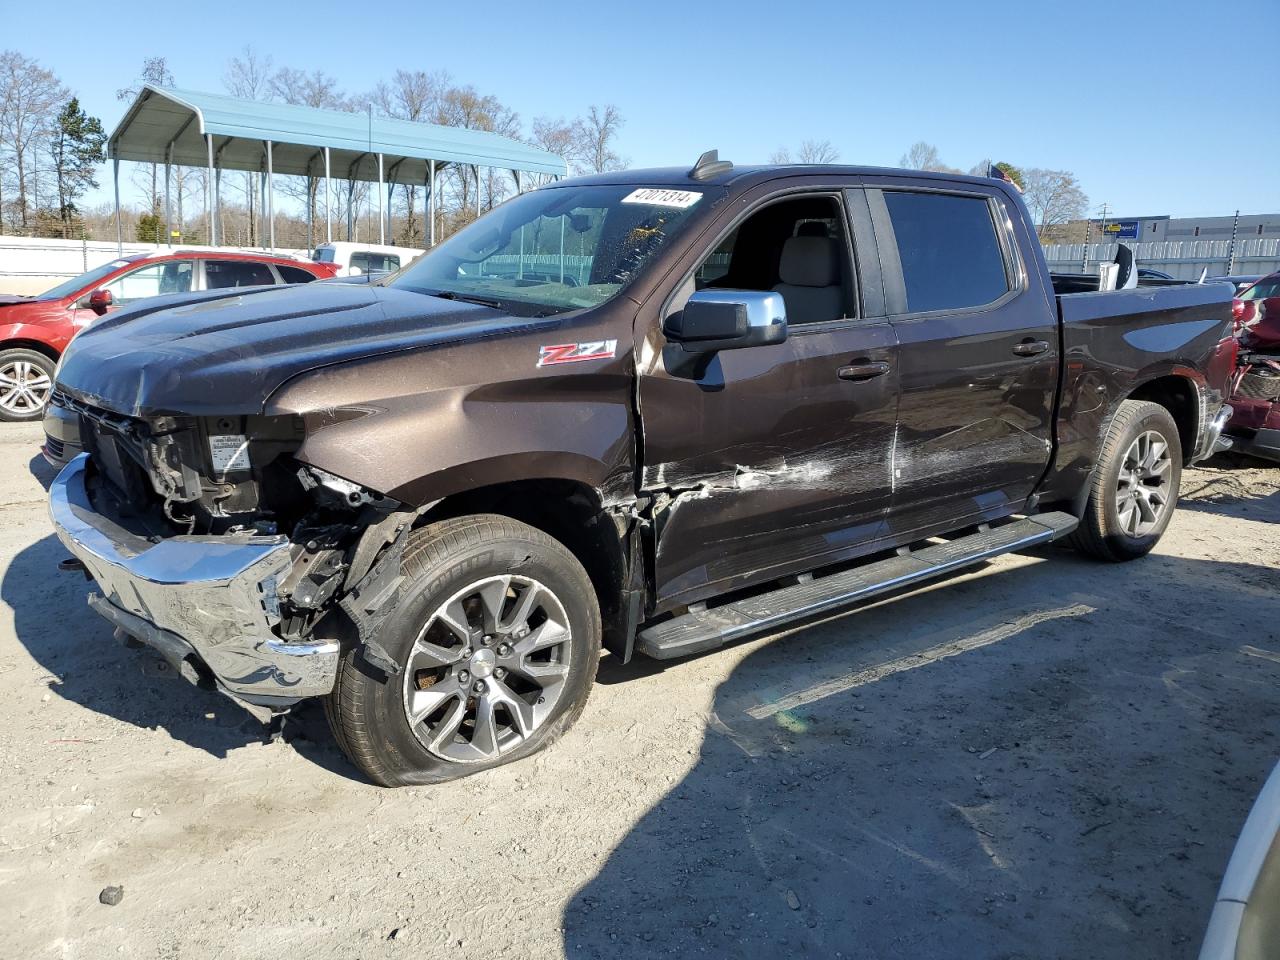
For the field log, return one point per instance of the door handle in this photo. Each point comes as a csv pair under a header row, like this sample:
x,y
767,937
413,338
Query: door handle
x,y
1031,348
858,372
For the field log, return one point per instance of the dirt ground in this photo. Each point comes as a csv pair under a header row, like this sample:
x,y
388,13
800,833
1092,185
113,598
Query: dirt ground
x,y
1046,758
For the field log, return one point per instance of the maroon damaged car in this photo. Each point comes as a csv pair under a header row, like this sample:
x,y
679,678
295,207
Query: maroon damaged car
x,y
1255,425
651,412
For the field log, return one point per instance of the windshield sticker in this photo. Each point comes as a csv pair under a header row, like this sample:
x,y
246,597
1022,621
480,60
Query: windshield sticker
x,y
576,352
654,197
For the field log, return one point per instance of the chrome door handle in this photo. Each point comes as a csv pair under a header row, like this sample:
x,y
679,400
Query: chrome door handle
x,y
1031,348
858,372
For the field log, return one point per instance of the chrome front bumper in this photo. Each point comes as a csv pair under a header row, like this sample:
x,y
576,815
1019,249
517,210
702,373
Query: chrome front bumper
x,y
206,603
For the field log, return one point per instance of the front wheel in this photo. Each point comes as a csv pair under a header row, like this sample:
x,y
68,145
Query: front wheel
x,y
1135,484
497,637
26,380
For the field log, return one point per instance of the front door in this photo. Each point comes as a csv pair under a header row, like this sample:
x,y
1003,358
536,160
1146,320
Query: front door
x,y
977,355
778,459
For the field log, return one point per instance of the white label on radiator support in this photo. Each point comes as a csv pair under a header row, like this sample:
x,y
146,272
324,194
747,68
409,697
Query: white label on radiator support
x,y
229,452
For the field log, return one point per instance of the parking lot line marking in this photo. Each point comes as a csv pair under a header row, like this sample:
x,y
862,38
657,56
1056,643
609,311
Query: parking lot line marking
x,y
1260,653
933,654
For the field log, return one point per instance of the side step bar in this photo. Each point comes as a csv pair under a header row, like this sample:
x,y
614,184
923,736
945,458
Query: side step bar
x,y
701,630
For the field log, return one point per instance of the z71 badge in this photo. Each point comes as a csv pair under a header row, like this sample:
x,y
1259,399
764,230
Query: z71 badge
x,y
576,352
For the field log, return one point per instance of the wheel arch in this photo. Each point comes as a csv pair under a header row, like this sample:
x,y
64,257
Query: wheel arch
x,y
25,343
1178,393
574,514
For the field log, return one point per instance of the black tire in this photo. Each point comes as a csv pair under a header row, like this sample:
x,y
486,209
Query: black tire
x,y
21,410
1101,533
368,710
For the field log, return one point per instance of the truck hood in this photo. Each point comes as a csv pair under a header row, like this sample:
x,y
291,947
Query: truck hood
x,y
225,353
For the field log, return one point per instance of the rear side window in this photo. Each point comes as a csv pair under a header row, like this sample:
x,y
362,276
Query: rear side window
x,y
950,253
375,262
219,274
294,274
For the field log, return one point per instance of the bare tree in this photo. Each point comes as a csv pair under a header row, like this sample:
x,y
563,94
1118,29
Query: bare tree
x,y
248,76
922,156
410,95
557,136
1053,196
781,156
596,135
314,89
155,71
818,151
29,99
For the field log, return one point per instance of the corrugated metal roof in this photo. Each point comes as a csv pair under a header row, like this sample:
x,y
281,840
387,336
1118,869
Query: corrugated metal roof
x,y
164,116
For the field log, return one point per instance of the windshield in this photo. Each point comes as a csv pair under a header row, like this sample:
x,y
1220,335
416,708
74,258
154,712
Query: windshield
x,y
554,250
1264,288
67,287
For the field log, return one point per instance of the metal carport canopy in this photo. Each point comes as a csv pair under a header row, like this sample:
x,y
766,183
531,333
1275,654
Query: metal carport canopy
x,y
189,128
161,116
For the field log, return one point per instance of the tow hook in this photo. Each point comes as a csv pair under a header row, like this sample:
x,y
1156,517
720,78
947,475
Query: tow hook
x,y
72,564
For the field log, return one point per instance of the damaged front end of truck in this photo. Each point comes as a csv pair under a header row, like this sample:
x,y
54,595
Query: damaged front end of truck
x,y
244,567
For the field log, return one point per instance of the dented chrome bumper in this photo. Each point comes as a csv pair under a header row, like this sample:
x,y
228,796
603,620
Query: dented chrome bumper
x,y
1212,441
206,603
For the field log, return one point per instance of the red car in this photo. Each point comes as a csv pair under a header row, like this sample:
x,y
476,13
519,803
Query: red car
x,y
35,330
1255,426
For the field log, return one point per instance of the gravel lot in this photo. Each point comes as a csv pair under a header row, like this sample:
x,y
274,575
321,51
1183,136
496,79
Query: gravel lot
x,y
1049,762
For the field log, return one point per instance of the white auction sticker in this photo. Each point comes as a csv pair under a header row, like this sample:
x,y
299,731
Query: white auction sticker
x,y
656,197
229,452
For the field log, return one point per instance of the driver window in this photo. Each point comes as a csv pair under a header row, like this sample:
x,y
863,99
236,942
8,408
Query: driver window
x,y
153,280
795,247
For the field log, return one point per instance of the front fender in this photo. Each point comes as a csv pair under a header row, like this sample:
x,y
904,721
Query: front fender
x,y
381,424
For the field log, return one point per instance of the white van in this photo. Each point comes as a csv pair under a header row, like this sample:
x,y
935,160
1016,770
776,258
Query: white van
x,y
357,259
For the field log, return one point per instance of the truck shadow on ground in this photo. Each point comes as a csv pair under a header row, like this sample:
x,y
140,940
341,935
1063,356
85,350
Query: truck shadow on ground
x,y
88,666
1071,784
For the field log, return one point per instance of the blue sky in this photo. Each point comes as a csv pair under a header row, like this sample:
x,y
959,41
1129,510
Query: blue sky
x,y
1143,101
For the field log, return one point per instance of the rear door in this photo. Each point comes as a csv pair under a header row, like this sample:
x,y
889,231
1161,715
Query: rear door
x,y
778,459
977,354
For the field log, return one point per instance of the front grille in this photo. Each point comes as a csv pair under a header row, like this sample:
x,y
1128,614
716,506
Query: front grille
x,y
55,447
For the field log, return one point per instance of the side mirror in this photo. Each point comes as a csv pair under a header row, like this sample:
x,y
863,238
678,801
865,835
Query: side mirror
x,y
354,272
100,301
715,320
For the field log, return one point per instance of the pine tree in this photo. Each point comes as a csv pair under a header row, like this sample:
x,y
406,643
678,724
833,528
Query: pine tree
x,y
76,148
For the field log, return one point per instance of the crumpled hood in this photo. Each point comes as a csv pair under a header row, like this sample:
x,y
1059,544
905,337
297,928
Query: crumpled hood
x,y
225,353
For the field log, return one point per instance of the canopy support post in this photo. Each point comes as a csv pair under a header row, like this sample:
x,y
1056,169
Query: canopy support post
x,y
271,203
382,220
328,199
208,186
431,198
168,222
115,178
476,168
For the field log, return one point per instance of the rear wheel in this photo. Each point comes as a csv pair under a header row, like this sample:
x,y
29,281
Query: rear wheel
x,y
497,638
26,381
1135,484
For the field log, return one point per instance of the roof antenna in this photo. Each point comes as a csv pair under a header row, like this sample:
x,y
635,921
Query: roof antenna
x,y
710,165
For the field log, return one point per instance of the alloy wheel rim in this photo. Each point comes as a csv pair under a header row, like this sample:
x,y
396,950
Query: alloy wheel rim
x,y
1143,486
24,387
487,669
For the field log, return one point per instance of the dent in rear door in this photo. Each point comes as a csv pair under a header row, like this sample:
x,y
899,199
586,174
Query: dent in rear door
x,y
978,380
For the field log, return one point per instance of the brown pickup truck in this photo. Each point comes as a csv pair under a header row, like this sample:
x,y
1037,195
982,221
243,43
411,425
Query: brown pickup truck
x,y
651,411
